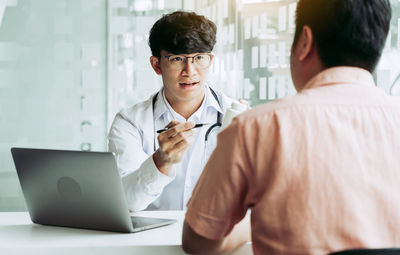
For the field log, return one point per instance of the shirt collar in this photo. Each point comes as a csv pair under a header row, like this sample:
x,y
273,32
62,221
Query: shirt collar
x,y
341,75
196,116
162,106
175,115
211,101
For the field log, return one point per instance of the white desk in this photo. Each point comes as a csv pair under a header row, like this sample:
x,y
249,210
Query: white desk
x,y
18,235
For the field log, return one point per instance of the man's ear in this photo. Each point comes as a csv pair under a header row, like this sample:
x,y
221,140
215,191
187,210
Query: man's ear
x,y
212,59
155,63
305,43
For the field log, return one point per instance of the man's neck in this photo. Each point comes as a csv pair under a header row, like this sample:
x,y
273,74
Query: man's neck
x,y
185,108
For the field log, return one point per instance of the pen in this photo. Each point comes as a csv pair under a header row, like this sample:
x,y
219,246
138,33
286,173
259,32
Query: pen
x,y
195,126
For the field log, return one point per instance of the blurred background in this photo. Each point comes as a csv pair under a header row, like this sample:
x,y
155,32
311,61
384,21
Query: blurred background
x,y
68,66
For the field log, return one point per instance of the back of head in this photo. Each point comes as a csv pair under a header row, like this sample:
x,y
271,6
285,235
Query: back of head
x,y
182,32
346,32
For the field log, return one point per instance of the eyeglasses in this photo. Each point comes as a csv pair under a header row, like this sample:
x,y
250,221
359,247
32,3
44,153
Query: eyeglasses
x,y
200,61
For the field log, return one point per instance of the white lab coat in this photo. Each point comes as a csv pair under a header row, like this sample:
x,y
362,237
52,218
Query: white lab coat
x,y
133,140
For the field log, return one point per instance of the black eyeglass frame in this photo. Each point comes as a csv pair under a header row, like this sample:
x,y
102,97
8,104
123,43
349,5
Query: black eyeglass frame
x,y
185,59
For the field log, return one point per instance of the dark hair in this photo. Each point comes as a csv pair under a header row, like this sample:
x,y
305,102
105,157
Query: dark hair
x,y
346,32
182,32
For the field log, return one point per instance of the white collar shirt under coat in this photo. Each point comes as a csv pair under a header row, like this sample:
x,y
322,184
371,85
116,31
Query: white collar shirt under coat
x,y
133,138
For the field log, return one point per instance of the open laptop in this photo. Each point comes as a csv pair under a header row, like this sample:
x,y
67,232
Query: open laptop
x,y
76,189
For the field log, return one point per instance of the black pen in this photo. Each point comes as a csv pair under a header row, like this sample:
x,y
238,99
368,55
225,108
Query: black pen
x,y
195,126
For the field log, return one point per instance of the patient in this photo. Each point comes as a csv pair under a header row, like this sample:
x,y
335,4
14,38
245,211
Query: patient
x,y
320,170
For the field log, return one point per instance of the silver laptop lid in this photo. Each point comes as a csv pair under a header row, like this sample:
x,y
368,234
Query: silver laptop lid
x,y
72,189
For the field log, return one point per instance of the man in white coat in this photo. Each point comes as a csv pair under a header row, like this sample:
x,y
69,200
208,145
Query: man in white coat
x,y
160,154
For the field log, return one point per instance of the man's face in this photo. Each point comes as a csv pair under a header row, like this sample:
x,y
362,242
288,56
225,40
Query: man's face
x,y
185,83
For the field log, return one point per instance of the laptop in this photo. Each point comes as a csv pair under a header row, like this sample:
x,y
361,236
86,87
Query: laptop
x,y
76,189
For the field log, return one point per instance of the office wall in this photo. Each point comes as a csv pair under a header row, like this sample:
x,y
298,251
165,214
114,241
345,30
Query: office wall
x,y
68,66
251,55
52,81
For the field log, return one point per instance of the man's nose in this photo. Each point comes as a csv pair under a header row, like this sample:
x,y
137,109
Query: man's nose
x,y
189,67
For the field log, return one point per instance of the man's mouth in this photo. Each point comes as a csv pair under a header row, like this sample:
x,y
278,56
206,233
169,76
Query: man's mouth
x,y
188,84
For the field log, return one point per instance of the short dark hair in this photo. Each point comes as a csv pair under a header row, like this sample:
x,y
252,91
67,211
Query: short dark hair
x,y
346,32
182,32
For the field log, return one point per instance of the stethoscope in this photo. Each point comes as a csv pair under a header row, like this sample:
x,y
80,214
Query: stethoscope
x,y
217,124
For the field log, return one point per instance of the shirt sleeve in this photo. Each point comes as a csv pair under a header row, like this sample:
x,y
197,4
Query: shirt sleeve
x,y
220,198
143,183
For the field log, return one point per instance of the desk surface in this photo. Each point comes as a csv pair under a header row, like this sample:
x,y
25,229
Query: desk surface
x,y
18,235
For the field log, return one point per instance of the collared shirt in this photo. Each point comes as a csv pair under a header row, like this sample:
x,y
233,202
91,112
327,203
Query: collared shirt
x,y
133,143
320,170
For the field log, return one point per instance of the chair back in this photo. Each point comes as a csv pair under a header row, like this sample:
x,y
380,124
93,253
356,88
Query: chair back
x,y
386,251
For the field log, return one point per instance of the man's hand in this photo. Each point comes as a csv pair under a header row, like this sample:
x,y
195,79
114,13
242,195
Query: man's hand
x,y
246,103
173,144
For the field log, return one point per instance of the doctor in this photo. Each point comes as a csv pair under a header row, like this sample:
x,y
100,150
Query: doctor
x,y
159,171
